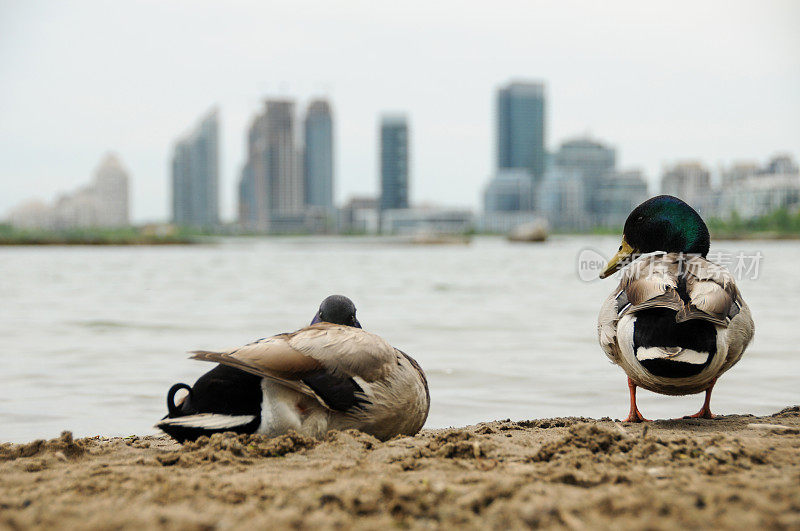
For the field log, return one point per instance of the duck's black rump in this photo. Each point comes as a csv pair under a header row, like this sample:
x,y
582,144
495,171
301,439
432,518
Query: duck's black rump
x,y
657,327
222,391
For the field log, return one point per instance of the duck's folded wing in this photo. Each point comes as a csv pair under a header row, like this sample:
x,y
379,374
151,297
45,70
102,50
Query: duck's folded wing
x,y
276,362
712,293
650,282
345,350
658,281
321,361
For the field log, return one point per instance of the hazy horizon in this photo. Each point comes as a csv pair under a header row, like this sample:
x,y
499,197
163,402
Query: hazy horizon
x,y
715,82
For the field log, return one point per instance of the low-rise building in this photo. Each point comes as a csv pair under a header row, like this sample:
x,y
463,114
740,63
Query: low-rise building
x,y
359,216
103,203
436,220
510,190
504,222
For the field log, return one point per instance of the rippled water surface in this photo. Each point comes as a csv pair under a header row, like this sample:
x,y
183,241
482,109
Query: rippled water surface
x,y
91,338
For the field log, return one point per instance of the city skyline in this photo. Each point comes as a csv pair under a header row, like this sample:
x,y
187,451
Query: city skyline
x,y
277,172
725,91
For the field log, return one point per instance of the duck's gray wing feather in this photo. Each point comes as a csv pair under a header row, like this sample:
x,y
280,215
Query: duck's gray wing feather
x,y
339,351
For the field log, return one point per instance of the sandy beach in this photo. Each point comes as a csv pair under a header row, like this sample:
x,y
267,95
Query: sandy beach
x,y
732,472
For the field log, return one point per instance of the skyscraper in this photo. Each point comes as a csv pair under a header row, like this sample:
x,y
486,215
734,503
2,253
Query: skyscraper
x,y
521,128
271,186
318,156
394,162
195,175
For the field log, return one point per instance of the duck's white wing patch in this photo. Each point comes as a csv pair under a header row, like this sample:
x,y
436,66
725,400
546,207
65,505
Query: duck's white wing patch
x,y
208,421
694,357
685,355
656,353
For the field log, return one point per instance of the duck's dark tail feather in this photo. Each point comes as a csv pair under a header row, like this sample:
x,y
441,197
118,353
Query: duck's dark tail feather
x,y
190,427
177,410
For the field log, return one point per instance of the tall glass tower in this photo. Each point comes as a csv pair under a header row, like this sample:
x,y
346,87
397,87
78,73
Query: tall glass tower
x,y
271,185
520,128
394,162
195,176
318,156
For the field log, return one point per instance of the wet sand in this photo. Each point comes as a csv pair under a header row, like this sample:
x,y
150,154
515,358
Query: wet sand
x,y
732,472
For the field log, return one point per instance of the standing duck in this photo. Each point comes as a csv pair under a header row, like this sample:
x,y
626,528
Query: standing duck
x,y
331,375
676,321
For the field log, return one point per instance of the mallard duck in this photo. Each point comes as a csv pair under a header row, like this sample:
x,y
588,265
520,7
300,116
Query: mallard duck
x,y
329,375
677,321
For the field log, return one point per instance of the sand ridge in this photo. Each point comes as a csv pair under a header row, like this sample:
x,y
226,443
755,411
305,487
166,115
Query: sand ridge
x,y
573,473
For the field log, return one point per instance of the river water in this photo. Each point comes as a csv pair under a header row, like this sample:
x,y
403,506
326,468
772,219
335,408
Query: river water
x,y
91,338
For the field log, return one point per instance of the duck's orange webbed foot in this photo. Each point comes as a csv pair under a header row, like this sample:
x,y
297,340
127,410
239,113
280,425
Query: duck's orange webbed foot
x,y
705,411
634,415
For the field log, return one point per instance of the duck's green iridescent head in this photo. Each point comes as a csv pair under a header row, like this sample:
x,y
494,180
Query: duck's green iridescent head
x,y
663,223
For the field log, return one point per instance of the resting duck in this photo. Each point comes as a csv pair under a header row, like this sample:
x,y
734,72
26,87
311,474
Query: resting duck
x,y
676,321
331,375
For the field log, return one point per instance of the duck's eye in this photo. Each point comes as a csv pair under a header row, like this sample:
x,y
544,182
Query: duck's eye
x,y
620,248
640,218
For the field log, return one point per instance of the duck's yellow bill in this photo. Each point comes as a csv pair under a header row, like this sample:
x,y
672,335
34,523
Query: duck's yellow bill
x,y
618,260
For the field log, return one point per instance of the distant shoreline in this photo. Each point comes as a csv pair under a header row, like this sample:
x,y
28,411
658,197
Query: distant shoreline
x,y
94,236
137,239
94,243
755,236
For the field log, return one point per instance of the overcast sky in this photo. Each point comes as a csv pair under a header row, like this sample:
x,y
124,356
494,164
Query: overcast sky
x,y
662,82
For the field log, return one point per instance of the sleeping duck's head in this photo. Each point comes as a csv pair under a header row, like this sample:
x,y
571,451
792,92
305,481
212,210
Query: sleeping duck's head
x,y
337,309
663,223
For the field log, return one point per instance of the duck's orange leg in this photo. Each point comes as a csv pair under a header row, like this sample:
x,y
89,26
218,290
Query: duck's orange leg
x,y
705,411
634,415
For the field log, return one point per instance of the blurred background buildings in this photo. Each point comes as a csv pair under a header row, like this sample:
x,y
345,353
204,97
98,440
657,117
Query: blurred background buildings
x,y
103,203
521,128
287,183
195,176
319,157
